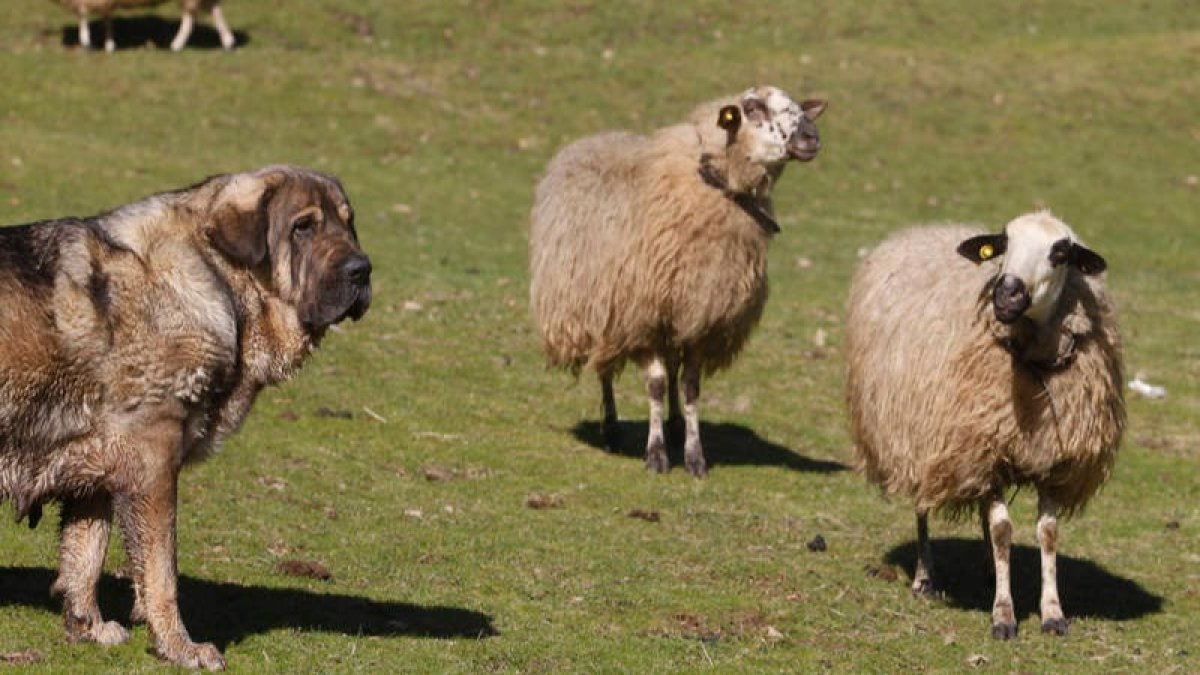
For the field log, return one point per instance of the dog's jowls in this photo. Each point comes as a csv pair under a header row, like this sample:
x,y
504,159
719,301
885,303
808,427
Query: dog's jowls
x,y
132,342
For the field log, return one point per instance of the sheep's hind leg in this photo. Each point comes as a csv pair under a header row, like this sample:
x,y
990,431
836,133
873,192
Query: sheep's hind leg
x,y
185,31
1004,622
110,44
656,388
1047,533
675,426
922,585
611,429
693,452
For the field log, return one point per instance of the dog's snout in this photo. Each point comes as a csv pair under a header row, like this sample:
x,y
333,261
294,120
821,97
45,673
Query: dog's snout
x,y
1010,298
357,269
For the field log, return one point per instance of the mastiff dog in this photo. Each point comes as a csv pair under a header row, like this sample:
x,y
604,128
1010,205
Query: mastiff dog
x,y
132,342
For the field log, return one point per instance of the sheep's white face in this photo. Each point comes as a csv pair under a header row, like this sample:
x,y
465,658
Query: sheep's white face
x,y
1038,251
776,128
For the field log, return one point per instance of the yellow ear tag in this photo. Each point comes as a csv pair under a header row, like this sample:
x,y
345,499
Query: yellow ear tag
x,y
727,116
986,251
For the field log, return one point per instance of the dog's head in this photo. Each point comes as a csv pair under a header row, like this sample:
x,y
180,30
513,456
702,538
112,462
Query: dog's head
x,y
295,227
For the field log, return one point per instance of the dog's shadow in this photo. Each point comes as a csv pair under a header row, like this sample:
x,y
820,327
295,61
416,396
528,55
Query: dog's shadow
x,y
729,444
225,613
964,579
135,32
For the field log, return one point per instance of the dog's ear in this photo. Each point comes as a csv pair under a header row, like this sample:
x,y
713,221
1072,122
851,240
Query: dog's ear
x,y
240,217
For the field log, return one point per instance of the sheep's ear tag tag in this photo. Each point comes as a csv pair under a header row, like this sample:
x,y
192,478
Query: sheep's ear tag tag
x,y
986,252
729,117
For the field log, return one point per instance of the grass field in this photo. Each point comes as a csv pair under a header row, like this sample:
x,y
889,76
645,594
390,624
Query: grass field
x,y
439,117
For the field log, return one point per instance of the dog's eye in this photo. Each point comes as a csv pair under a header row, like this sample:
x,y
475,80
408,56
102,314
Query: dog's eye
x,y
303,223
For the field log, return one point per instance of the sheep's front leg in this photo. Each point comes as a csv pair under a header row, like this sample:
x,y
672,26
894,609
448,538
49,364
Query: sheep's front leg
x,y
923,578
656,389
83,543
1004,622
693,452
612,430
1047,533
185,31
227,39
85,31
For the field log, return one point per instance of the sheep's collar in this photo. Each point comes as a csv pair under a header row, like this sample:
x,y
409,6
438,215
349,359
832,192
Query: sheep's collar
x,y
752,205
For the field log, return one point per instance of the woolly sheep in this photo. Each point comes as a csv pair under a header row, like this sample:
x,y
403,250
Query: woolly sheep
x,y
106,8
653,249
952,402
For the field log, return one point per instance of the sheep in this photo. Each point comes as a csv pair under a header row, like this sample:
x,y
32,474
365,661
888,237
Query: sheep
x,y
653,249
106,8
953,404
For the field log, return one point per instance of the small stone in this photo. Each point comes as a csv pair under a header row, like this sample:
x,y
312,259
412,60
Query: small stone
x,y
817,544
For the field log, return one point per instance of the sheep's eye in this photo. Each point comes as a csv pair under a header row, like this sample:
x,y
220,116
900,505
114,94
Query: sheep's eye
x,y
1060,252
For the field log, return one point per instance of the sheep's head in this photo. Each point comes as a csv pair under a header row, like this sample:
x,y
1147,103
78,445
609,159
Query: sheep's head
x,y
769,127
1039,251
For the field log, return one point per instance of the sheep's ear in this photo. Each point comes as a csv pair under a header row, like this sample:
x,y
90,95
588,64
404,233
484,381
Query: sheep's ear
x,y
983,247
1085,260
813,108
730,118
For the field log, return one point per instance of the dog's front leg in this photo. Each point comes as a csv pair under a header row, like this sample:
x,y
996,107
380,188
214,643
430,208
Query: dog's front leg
x,y
148,521
83,543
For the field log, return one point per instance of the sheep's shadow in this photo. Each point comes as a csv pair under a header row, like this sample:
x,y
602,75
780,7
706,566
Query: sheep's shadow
x,y
135,32
225,613
724,443
964,579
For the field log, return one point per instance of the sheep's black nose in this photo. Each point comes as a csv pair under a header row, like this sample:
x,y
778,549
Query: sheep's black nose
x,y
357,269
1010,299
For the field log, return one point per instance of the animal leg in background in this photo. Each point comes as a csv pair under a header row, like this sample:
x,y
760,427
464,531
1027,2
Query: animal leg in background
x,y
1004,623
227,39
1047,534
612,432
186,23
693,452
923,576
85,32
83,544
110,45
656,389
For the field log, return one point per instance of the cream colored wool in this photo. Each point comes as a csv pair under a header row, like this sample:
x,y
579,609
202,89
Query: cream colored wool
x,y
632,254
942,412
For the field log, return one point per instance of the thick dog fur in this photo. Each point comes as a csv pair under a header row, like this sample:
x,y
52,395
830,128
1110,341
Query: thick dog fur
x,y
134,341
105,8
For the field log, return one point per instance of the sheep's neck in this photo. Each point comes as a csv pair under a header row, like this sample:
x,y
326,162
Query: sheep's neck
x,y
755,206
1042,347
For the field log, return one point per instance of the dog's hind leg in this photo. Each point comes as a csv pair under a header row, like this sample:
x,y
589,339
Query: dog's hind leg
x,y
83,543
148,522
186,22
227,39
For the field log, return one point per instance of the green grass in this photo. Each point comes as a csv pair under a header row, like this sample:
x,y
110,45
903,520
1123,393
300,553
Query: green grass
x,y
439,124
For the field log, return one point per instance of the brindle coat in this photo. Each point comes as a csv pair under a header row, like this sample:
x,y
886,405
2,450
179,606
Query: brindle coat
x,y
132,342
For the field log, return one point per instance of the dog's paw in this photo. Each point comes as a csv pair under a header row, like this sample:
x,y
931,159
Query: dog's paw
x,y
195,655
107,633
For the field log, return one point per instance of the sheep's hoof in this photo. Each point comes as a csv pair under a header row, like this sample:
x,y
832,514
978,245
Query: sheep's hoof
x,y
696,466
1004,631
1055,626
656,456
923,588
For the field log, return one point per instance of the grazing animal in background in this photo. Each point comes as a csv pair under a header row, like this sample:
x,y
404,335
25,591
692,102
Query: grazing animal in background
x,y
105,8
654,249
132,342
979,362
